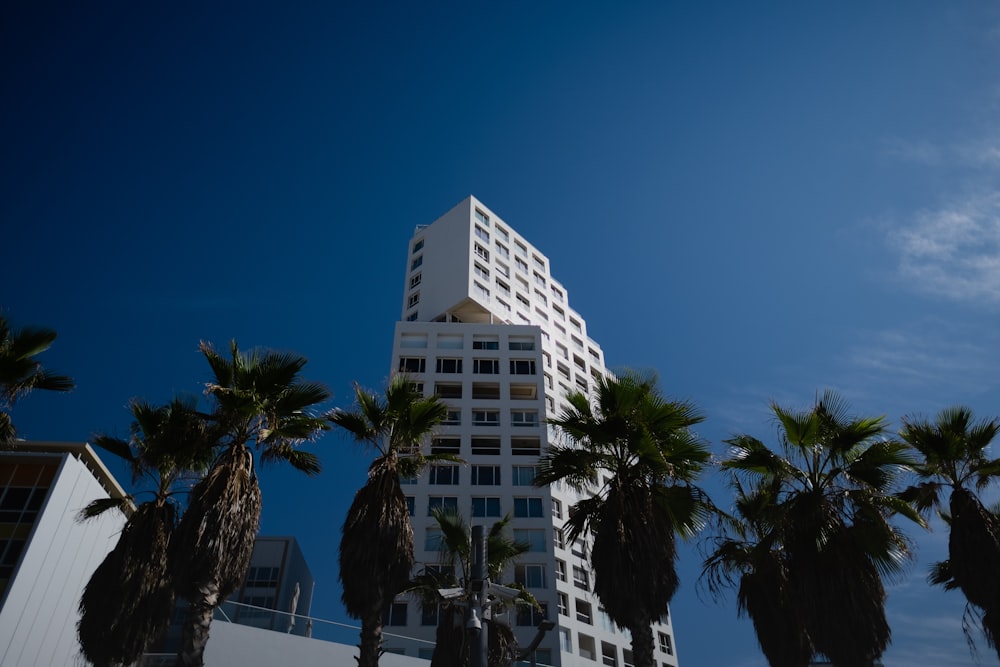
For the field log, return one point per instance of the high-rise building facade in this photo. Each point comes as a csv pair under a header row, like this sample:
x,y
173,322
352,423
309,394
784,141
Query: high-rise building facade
x,y
487,327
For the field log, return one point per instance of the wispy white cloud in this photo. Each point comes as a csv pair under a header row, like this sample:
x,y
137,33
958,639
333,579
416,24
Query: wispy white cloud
x,y
954,251
927,355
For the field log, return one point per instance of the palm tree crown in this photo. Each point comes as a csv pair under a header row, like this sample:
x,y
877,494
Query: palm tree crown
x,y
812,537
261,406
376,549
127,602
21,373
635,456
953,451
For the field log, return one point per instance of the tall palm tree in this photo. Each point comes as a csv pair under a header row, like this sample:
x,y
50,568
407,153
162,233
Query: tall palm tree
x,y
636,456
953,449
261,406
451,648
21,373
748,556
128,600
819,537
376,549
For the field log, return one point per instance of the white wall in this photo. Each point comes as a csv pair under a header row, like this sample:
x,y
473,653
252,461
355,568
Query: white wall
x,y
39,616
232,644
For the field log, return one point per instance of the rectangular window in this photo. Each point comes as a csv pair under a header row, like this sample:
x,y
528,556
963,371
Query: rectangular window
x,y
522,366
448,504
482,217
449,341
503,270
412,317
587,649
502,233
486,366
480,290
481,271
486,417
432,539
581,579
560,570
502,250
609,654
262,577
429,614
563,604
483,252
485,344
486,475
485,506
528,507
523,301
486,390
413,300
411,505
666,645
521,343
453,418
418,246
524,417
533,537
528,616
540,298
448,389
584,612
523,392
558,539
444,475
521,264
482,234
415,280
413,341
557,293
449,365
526,446
485,446
503,304
395,614
557,509
538,261
446,446
523,475
412,365
565,639
539,280
417,261
521,249
530,576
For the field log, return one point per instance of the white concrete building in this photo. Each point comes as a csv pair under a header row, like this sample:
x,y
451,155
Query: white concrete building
x,y
46,554
487,327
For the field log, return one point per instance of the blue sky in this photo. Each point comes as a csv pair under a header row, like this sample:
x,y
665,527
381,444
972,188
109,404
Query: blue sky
x,y
759,200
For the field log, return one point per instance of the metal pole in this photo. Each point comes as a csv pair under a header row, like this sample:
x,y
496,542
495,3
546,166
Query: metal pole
x,y
479,640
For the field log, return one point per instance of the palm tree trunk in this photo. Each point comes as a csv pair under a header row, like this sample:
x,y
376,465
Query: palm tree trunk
x,y
371,640
642,643
194,636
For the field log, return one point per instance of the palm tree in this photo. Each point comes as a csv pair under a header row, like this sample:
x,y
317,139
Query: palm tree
x,y
635,454
21,372
451,648
749,557
953,452
818,537
376,549
128,600
261,406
